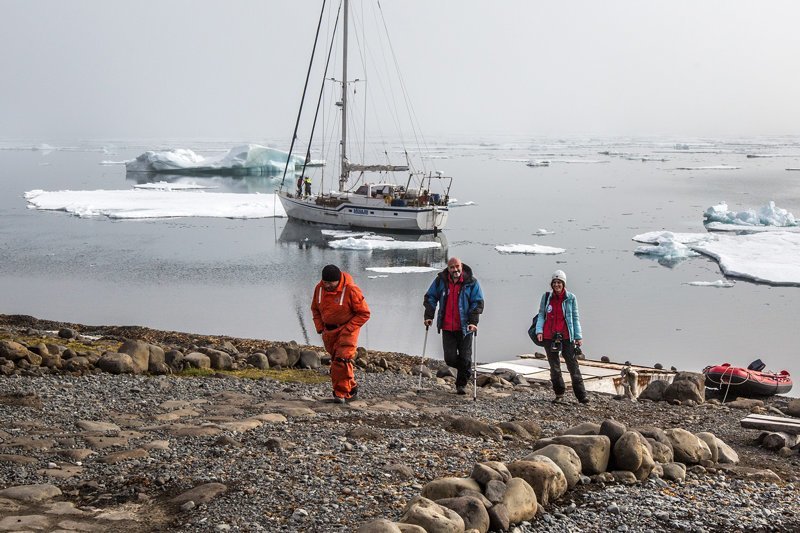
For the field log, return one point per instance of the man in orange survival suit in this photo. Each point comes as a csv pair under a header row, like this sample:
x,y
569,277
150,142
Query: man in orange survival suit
x,y
339,311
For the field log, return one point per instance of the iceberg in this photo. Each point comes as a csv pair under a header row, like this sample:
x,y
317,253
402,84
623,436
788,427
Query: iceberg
x,y
768,216
242,160
142,204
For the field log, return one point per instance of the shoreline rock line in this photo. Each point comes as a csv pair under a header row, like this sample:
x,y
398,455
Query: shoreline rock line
x,y
130,434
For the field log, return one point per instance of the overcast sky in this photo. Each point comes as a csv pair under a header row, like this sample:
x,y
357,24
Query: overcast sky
x,y
108,69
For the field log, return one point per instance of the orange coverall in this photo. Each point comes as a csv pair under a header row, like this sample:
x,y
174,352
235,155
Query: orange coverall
x,y
338,316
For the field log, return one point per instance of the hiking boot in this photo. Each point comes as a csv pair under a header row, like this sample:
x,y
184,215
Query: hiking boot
x,y
558,399
461,391
338,399
585,399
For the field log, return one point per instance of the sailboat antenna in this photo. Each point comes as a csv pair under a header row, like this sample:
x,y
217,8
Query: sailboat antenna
x,y
303,98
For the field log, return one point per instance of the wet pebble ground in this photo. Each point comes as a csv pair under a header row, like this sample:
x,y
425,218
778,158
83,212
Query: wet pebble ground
x,y
277,456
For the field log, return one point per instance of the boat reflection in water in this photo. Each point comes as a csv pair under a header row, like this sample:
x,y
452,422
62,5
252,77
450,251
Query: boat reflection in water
x,y
239,184
308,236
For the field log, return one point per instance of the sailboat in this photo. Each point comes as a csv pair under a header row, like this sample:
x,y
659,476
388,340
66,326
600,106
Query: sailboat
x,y
417,204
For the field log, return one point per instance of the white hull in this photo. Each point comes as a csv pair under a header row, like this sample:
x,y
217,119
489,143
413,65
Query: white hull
x,y
363,212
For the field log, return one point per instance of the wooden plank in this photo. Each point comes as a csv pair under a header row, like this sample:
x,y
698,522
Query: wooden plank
x,y
772,417
774,423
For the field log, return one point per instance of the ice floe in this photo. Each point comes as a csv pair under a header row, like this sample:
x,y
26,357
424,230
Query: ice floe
x,y
765,257
720,283
381,243
655,237
528,249
111,163
772,257
341,234
667,250
133,204
711,167
240,160
768,216
538,163
402,270
542,231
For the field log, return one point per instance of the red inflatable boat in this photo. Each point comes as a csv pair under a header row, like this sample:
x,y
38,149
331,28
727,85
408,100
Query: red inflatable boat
x,y
747,382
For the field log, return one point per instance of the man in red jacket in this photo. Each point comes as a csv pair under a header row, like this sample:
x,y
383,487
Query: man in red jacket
x,y
339,311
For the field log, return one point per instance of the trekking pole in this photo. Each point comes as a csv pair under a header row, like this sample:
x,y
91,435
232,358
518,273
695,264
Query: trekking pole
x,y
474,370
422,359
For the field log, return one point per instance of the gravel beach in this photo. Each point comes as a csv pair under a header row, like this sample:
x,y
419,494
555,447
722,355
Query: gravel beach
x,y
222,452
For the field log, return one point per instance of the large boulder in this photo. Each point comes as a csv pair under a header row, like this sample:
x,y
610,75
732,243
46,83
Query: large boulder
x,y
543,475
727,455
711,441
277,356
686,386
139,352
449,487
483,474
584,428
674,471
475,428
309,359
593,450
499,467
661,453
13,351
793,409
432,517
157,359
566,459
519,501
258,360
197,360
219,360
687,447
471,510
654,391
117,363
385,526
292,354
612,429
628,451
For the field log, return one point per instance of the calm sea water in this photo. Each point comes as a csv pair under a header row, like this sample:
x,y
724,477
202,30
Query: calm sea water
x,y
253,278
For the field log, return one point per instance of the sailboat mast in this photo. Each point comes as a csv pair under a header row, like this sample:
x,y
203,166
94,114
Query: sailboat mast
x,y
344,176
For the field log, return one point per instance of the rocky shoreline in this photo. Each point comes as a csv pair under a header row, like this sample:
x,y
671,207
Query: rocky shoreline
x,y
256,449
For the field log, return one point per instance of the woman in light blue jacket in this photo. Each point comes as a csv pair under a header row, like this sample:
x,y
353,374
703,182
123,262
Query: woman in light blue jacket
x,y
559,328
